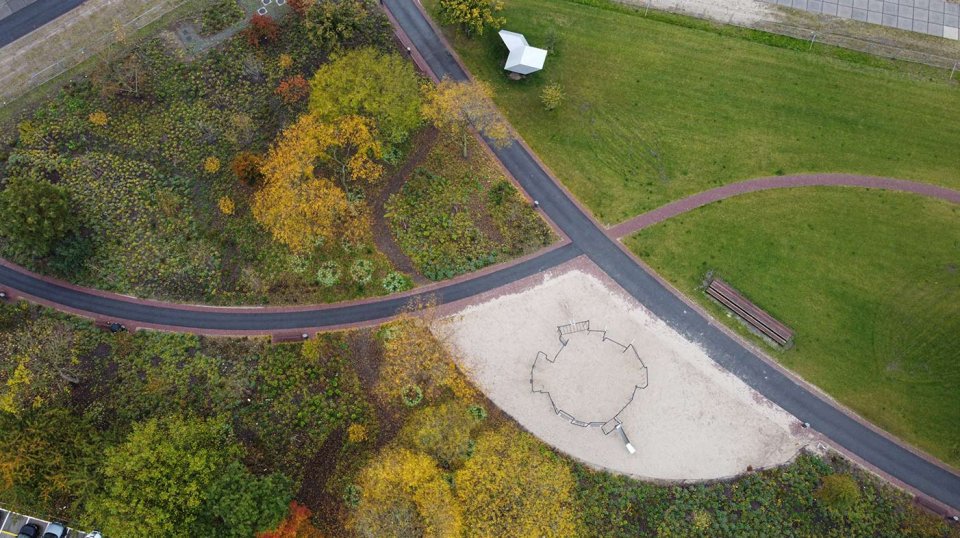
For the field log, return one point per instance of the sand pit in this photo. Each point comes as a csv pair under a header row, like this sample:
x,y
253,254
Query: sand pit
x,y
688,419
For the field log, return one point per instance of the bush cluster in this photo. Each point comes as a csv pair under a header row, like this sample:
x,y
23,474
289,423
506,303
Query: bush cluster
x,y
219,15
146,432
432,222
141,149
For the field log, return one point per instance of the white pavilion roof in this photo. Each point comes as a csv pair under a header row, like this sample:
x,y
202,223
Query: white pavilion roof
x,y
523,58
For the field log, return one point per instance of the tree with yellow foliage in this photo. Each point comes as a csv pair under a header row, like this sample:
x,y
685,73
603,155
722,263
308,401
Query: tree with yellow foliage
x,y
48,455
298,206
404,494
367,82
443,431
351,146
472,15
294,204
211,165
453,107
413,357
511,486
226,205
38,364
99,118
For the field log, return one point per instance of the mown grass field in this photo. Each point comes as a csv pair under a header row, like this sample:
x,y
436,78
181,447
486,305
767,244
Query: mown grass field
x,y
869,280
657,110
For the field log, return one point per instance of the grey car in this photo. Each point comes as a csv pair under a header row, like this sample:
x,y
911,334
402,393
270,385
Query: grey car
x,y
55,530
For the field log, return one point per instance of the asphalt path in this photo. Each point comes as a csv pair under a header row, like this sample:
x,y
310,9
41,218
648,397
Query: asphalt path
x,y
874,448
586,238
23,21
250,319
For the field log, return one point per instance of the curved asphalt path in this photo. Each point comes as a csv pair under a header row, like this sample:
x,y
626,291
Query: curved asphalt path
x,y
586,237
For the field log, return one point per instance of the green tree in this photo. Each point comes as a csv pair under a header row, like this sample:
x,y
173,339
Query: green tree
x,y
366,82
443,431
174,474
337,24
472,15
48,460
512,486
838,492
34,215
243,504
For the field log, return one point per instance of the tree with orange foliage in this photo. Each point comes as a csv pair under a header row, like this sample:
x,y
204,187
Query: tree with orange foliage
x,y
298,207
296,525
246,166
262,28
293,89
300,7
453,107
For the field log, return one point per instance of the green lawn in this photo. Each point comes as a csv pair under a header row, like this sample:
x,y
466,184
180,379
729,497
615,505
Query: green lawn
x,y
656,111
869,280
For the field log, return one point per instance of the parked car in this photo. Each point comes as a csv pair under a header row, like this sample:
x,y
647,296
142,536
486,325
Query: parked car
x,y
55,530
30,530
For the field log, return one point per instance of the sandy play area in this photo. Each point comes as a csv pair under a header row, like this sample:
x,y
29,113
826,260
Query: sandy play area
x,y
687,418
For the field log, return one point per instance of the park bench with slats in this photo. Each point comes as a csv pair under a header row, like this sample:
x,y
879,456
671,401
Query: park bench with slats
x,y
749,312
285,337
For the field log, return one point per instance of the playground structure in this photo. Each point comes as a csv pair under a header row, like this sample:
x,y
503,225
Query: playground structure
x,y
591,379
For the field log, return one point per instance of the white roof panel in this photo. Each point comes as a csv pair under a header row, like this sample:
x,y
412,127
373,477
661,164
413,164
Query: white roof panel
x,y
523,58
513,40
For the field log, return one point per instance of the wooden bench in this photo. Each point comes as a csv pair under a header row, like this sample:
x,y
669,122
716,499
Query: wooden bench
x,y
284,337
749,312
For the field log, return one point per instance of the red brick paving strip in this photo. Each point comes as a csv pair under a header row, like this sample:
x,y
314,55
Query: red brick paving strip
x,y
778,182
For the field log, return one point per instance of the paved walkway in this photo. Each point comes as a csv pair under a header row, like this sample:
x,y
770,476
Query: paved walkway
x,y
779,182
20,17
9,7
932,17
586,237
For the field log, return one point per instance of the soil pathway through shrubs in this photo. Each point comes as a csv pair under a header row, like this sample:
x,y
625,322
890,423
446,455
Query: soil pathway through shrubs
x,y
382,237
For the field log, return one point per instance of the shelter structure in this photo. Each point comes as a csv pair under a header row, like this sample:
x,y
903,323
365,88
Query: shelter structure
x,y
523,58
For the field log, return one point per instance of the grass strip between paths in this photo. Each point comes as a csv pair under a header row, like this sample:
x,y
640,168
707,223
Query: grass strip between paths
x,y
660,107
869,280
